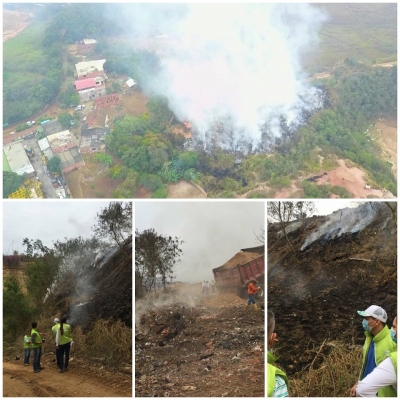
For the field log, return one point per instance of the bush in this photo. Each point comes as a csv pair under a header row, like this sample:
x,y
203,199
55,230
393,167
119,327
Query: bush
x,y
160,194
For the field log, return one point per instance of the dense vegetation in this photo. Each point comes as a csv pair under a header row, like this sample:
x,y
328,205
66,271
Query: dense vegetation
x,y
11,182
153,156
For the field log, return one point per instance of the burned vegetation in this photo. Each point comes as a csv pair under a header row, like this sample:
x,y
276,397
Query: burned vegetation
x,y
338,264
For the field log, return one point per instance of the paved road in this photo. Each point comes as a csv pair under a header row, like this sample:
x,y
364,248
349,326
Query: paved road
x,y
47,187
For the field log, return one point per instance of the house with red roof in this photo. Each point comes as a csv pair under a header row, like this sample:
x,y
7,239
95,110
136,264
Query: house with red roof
x,y
91,88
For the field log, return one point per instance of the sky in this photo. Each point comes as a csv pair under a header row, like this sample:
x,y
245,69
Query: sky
x,y
47,220
214,231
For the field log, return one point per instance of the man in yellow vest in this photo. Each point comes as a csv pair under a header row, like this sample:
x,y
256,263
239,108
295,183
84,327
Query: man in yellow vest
x,y
378,343
54,331
27,347
383,379
36,345
278,384
63,343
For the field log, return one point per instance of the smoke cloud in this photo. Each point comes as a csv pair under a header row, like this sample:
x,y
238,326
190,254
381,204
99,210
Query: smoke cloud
x,y
238,64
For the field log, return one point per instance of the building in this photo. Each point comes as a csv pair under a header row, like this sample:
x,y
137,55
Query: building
x,y
85,67
111,100
18,159
61,141
90,88
45,148
86,46
51,127
70,159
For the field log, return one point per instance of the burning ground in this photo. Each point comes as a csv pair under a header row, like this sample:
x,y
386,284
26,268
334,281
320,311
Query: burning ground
x,y
343,262
193,345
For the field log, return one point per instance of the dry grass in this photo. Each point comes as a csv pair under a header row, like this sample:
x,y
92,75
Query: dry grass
x,y
108,342
339,366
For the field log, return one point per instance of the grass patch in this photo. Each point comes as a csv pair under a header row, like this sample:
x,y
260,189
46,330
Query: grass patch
x,y
332,373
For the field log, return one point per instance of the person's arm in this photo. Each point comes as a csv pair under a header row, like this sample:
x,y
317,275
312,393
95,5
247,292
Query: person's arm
x,y
281,389
33,338
57,337
383,375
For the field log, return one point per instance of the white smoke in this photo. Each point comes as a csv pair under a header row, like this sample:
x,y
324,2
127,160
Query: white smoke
x,y
239,63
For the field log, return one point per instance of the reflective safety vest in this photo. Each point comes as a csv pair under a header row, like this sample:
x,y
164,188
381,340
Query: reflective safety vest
x,y
27,345
66,338
38,339
384,345
54,329
388,391
271,374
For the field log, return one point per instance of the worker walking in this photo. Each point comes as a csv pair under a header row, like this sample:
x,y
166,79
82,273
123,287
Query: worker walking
x,y
213,286
207,287
63,343
27,347
203,286
54,329
251,292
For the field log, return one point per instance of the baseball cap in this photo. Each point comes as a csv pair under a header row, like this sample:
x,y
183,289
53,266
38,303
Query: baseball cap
x,y
56,320
375,312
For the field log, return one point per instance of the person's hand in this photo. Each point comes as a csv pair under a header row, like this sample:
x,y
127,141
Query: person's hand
x,y
353,390
57,347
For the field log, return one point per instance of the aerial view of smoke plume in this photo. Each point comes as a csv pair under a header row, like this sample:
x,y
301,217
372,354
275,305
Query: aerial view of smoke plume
x,y
237,64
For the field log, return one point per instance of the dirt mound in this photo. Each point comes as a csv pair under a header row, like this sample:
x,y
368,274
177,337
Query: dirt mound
x,y
239,259
315,293
213,348
185,190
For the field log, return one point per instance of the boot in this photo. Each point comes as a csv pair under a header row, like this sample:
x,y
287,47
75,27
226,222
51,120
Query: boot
x,y
255,307
246,307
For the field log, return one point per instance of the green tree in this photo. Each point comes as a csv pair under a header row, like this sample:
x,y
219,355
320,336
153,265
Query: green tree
x,y
65,120
11,182
54,164
104,158
114,223
16,309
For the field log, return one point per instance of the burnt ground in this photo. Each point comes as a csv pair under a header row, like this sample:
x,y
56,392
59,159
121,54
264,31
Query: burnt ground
x,y
211,348
316,294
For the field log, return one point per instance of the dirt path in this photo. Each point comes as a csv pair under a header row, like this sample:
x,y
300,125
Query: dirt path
x,y
386,132
218,352
80,381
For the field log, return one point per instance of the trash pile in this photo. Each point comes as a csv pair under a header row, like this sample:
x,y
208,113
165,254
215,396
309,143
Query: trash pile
x,y
200,349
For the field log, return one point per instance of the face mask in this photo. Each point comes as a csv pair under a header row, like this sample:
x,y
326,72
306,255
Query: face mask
x,y
393,333
366,326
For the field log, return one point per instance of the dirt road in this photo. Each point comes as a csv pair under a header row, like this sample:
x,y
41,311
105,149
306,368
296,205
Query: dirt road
x,y
81,380
218,351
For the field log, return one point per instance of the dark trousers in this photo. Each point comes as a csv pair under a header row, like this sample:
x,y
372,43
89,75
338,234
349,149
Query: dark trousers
x,y
27,353
64,349
251,299
58,357
37,354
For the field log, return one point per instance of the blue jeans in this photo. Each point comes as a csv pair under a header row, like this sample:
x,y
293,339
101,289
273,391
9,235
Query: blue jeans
x,y
251,299
37,354
27,353
64,349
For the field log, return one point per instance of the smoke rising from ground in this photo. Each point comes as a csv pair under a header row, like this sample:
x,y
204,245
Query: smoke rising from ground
x,y
238,64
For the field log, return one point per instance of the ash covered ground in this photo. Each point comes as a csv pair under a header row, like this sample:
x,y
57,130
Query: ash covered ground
x,y
342,263
192,345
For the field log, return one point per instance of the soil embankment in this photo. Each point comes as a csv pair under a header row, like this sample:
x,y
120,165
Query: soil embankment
x,y
212,347
316,292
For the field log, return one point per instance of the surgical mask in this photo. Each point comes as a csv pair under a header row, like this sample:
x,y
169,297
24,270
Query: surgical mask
x,y
393,333
366,326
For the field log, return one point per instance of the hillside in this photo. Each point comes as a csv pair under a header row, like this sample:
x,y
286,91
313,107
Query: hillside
x,y
96,298
343,262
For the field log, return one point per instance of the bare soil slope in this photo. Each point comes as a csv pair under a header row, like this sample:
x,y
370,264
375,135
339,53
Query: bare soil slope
x,y
316,293
211,348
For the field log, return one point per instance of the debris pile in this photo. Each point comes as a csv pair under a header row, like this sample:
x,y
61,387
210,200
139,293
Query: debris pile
x,y
211,347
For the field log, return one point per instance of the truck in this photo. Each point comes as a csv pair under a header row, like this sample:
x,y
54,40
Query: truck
x,y
236,278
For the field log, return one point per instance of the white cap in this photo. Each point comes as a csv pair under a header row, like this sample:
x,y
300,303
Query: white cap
x,y
56,320
375,312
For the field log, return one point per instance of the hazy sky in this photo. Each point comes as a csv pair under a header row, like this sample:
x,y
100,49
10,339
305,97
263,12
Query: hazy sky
x,y
214,231
47,220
